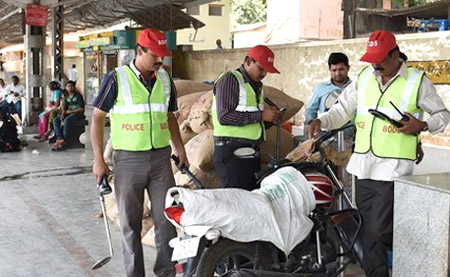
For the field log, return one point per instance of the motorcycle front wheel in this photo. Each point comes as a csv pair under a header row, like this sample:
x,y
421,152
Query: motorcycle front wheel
x,y
225,258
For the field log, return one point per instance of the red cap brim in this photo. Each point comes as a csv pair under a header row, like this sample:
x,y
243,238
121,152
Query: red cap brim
x,y
269,68
160,51
374,57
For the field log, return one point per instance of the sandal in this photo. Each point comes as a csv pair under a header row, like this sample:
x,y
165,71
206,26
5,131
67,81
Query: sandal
x,y
58,148
43,138
58,142
37,137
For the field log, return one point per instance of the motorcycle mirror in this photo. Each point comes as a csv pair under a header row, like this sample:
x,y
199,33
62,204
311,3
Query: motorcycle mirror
x,y
245,152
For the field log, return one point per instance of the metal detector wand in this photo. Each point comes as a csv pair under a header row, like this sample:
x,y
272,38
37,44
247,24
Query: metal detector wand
x,y
104,189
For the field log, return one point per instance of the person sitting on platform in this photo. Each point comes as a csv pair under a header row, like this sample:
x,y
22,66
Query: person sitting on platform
x,y
73,110
55,87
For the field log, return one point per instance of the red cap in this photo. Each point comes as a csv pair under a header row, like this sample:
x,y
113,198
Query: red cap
x,y
155,41
378,47
264,56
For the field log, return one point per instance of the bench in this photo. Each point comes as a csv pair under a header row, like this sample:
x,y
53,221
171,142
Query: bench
x,y
73,137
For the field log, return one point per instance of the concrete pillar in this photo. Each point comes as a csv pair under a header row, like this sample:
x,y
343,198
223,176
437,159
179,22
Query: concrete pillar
x,y
58,43
35,79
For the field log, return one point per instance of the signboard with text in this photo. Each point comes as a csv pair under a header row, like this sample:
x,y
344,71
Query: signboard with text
x,y
36,15
437,71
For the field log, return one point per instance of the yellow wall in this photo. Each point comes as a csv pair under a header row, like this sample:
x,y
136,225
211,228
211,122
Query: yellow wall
x,y
216,27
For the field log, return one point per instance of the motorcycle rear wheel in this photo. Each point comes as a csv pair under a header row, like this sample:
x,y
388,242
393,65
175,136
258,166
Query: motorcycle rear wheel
x,y
226,256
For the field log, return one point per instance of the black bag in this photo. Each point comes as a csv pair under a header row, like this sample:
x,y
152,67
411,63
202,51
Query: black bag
x,y
9,141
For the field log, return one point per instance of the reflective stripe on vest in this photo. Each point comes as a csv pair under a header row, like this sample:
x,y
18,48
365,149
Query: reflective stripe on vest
x,y
376,135
247,103
136,124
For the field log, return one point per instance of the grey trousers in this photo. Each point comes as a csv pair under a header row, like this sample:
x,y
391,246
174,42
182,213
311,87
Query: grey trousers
x,y
133,173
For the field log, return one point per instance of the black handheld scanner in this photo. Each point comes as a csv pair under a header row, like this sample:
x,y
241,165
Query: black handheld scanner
x,y
384,117
104,188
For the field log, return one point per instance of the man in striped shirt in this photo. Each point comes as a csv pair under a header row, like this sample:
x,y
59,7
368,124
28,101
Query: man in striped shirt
x,y
239,118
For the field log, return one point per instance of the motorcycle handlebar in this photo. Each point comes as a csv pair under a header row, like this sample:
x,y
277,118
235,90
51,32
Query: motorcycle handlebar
x,y
186,171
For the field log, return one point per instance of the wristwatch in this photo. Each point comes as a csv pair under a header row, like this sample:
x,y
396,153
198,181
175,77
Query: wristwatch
x,y
425,128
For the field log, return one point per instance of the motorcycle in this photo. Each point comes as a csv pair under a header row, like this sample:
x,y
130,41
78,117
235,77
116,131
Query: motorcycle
x,y
206,250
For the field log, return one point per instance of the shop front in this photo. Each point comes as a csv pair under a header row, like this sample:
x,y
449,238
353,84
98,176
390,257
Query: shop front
x,y
102,53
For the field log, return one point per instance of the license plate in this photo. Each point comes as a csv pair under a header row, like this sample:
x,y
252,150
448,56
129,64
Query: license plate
x,y
186,249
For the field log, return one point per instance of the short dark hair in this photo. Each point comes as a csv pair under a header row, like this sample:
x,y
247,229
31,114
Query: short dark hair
x,y
337,58
15,77
71,82
54,85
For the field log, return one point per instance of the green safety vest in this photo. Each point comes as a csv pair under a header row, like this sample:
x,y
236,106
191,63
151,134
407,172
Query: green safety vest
x,y
139,121
379,136
247,103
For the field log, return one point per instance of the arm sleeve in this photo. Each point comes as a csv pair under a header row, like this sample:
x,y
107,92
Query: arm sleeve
x,y
173,106
226,91
432,103
107,94
342,111
81,101
313,106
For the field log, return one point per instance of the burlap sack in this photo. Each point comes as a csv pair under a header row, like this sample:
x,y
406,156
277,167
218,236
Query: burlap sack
x,y
185,87
147,224
149,238
200,116
186,135
200,150
208,178
281,99
269,146
185,104
304,152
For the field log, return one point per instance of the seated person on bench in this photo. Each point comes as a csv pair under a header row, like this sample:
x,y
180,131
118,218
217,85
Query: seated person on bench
x,y
73,110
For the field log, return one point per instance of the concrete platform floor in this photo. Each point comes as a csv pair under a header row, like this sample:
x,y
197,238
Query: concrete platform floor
x,y
47,228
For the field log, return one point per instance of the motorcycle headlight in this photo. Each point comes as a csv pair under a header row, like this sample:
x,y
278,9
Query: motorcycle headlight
x,y
212,234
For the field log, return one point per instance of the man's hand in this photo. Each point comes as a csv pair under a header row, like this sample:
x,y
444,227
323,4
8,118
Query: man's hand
x,y
420,154
314,128
100,169
413,126
183,160
271,114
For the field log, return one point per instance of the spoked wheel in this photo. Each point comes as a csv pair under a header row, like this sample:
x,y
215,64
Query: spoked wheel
x,y
225,258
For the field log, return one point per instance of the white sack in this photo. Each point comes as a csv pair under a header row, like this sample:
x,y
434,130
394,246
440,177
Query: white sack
x,y
278,212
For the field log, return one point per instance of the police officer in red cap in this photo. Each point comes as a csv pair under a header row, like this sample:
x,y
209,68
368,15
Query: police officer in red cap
x,y
238,117
383,151
141,99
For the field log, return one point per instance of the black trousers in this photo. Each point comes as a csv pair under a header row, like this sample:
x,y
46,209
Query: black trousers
x,y
375,200
235,172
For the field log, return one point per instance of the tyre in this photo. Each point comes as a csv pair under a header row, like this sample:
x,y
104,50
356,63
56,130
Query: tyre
x,y
225,257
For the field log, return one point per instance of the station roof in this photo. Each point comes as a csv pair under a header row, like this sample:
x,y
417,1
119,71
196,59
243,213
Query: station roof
x,y
80,15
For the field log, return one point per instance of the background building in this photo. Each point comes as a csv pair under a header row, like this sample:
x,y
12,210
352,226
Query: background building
x,y
216,17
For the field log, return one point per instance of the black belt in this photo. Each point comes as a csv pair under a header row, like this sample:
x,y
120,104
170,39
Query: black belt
x,y
223,143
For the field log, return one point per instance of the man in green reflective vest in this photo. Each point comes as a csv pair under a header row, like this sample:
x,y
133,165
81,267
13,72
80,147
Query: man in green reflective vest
x,y
238,117
383,151
141,99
